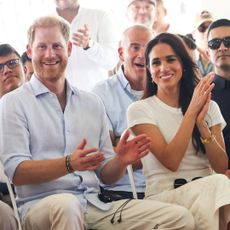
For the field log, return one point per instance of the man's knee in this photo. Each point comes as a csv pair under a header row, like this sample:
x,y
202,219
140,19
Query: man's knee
x,y
67,205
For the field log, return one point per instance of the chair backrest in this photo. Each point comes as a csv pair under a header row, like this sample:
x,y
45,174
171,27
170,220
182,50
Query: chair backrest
x,y
132,181
5,179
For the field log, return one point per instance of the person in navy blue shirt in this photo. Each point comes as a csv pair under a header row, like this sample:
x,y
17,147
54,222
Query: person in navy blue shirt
x,y
219,51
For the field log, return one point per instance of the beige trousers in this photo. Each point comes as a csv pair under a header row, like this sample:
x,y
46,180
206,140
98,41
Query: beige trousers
x,y
63,212
7,218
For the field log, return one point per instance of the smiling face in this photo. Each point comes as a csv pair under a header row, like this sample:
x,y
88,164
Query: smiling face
x,y
165,68
49,53
220,57
132,52
10,78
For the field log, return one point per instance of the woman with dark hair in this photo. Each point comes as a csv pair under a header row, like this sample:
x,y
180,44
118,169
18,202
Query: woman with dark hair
x,y
185,128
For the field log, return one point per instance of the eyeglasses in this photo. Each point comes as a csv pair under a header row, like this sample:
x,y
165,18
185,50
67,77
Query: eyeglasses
x,y
10,64
181,181
203,27
216,42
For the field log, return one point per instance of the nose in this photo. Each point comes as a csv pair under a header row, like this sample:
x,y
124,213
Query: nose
x,y
222,47
142,10
49,52
141,52
164,66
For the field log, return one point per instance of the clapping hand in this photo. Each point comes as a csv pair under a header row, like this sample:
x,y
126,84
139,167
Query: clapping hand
x,y
130,151
86,159
81,37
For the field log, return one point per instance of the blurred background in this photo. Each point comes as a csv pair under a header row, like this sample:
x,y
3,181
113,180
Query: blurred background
x,y
16,16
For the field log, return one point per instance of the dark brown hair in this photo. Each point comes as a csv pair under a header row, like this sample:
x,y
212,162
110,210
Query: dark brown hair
x,y
189,78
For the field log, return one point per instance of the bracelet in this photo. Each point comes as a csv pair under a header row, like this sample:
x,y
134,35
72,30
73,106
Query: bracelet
x,y
68,166
208,140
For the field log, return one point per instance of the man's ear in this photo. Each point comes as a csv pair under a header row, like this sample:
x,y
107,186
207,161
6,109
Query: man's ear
x,y
70,45
121,54
28,50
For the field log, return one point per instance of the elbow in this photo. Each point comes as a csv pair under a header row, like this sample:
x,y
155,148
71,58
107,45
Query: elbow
x,y
172,166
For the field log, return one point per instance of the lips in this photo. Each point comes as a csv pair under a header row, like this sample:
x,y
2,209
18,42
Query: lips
x,y
166,76
50,63
139,65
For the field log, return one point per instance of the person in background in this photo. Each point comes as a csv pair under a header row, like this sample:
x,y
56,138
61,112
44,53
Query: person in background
x,y
94,43
185,128
61,148
151,13
202,22
160,25
190,46
119,91
11,77
27,66
11,69
141,12
219,52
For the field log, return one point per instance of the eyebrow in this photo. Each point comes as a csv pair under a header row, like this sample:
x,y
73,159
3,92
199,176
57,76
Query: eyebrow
x,y
168,56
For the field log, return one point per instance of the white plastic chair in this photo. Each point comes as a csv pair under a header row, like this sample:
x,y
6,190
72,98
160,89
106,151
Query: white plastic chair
x,y
5,179
132,181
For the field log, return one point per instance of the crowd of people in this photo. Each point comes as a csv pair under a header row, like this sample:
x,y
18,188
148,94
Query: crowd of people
x,y
68,130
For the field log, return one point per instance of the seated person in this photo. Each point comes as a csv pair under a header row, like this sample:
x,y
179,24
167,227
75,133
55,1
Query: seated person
x,y
119,91
61,148
185,128
27,66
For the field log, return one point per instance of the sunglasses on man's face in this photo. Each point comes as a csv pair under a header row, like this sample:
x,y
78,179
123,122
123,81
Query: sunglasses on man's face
x,y
216,43
10,64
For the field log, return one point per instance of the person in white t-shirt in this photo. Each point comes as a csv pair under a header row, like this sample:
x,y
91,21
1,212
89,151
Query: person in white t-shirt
x,y
94,43
185,128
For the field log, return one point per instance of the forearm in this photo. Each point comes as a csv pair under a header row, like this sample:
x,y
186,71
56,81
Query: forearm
x,y
214,147
112,171
175,150
39,171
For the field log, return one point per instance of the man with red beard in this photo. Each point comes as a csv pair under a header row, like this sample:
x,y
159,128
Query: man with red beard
x,y
59,147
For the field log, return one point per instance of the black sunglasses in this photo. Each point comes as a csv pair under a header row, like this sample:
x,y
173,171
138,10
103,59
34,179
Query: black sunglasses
x,y
10,64
181,181
203,27
216,42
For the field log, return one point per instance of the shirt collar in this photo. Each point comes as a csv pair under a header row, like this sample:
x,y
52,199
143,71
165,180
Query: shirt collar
x,y
221,83
39,88
124,82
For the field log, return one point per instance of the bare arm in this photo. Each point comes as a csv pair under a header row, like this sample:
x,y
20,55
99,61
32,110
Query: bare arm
x,y
115,140
170,154
215,147
40,171
128,152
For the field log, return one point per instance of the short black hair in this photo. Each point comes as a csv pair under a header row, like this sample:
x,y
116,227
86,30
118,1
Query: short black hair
x,y
25,58
6,49
218,23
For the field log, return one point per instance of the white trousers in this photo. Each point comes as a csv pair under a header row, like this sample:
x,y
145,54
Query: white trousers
x,y
64,212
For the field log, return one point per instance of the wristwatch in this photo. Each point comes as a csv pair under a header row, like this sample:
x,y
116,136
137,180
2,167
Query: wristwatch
x,y
90,44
